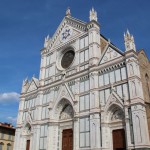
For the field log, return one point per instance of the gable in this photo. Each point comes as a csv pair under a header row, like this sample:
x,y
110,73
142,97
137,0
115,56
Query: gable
x,y
113,99
67,30
64,94
32,86
66,35
109,54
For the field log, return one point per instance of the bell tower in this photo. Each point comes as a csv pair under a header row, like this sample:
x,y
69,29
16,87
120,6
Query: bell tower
x,y
129,41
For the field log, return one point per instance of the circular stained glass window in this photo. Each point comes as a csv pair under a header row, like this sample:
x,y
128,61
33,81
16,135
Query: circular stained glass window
x,y
67,59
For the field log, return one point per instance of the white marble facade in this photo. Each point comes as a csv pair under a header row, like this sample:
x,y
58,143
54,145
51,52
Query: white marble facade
x,y
99,91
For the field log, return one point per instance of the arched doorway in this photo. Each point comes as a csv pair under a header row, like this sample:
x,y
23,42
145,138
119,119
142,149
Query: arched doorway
x,y
67,132
117,125
66,115
27,134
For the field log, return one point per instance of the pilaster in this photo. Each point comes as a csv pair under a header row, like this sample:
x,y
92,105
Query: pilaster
x,y
95,137
94,95
37,137
39,106
76,134
94,42
77,91
20,112
42,69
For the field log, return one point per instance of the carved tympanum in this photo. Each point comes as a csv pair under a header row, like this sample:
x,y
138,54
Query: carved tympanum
x,y
67,113
117,115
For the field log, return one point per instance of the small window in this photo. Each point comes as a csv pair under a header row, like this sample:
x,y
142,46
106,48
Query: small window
x,y
2,135
84,102
123,73
117,74
9,136
101,80
112,77
84,85
43,137
85,132
1,146
84,56
8,146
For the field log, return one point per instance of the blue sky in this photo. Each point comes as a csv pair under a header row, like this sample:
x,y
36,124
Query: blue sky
x,y
25,23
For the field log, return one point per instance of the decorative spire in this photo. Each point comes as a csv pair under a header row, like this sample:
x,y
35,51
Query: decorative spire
x,y
129,41
68,12
25,85
47,40
128,33
25,81
93,14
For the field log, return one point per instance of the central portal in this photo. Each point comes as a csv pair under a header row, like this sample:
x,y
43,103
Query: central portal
x,y
67,139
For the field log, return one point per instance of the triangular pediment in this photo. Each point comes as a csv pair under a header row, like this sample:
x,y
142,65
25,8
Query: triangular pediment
x,y
110,53
67,30
64,93
33,85
66,35
113,99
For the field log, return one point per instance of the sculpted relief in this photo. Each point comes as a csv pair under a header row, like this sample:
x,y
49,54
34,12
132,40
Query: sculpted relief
x,y
67,113
117,115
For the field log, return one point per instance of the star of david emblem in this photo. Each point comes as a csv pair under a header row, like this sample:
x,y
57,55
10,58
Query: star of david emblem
x,y
66,34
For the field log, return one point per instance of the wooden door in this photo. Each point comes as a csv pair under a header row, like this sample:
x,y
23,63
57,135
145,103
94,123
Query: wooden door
x,y
119,142
28,145
67,139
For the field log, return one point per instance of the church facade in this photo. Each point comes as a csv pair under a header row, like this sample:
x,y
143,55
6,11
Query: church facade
x,y
89,94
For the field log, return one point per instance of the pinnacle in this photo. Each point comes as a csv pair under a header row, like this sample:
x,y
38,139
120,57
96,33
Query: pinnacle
x,y
128,33
68,12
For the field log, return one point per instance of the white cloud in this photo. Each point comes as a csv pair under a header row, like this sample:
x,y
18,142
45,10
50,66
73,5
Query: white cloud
x,y
12,119
9,97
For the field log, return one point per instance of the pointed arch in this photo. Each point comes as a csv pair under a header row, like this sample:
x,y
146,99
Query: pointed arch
x,y
134,92
62,106
138,129
131,69
113,100
28,127
116,113
66,113
64,93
